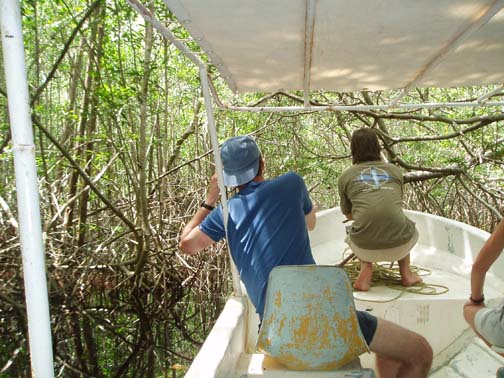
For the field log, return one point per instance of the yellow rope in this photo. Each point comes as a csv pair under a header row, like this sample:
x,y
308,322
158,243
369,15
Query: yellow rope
x,y
387,275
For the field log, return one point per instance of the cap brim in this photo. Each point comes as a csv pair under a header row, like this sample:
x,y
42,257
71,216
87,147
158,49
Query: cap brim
x,y
243,176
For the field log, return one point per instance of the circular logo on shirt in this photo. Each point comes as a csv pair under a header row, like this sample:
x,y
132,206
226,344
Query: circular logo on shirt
x,y
374,177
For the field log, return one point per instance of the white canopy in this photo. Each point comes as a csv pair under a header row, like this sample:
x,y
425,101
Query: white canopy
x,y
342,45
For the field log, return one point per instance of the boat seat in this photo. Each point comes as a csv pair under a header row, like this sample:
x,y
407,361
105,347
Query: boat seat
x,y
309,320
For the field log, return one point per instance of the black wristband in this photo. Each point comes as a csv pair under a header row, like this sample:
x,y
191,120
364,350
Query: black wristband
x,y
207,206
481,300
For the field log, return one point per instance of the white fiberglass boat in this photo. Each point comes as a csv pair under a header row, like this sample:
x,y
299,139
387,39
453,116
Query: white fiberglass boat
x,y
445,247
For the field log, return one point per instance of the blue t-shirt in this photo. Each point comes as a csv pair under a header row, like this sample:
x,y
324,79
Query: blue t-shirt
x,y
266,228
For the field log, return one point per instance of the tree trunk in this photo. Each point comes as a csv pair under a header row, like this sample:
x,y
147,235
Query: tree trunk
x,y
142,192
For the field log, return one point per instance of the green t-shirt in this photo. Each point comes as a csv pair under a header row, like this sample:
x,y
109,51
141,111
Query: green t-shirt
x,y
372,193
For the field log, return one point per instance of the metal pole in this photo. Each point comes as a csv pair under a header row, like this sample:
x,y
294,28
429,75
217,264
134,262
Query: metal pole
x,y
218,168
482,99
165,32
308,48
37,303
147,15
334,108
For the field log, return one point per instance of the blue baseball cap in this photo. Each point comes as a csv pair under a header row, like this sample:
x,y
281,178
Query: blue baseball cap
x,y
240,157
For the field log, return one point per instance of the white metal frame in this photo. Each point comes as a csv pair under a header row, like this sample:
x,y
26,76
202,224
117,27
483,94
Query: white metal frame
x,y
218,168
482,99
428,105
32,246
308,48
310,12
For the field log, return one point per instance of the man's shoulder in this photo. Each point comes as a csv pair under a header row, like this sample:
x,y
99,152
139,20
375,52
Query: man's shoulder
x,y
289,176
348,172
391,168
287,181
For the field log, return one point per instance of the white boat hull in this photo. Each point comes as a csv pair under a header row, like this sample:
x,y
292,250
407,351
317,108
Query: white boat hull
x,y
445,247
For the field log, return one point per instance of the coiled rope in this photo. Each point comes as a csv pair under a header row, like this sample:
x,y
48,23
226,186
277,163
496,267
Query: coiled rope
x,y
387,274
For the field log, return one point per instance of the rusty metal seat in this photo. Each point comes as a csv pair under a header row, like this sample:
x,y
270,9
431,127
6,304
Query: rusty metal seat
x,y
309,320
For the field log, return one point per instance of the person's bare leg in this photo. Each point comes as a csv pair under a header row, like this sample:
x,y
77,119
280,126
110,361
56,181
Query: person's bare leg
x,y
400,352
363,281
408,278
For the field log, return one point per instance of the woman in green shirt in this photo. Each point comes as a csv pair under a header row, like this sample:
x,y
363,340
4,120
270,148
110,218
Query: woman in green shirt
x,y
371,195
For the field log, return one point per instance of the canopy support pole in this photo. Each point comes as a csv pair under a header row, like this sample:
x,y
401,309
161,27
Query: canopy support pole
x,y
308,48
356,108
482,99
166,33
35,282
479,20
218,169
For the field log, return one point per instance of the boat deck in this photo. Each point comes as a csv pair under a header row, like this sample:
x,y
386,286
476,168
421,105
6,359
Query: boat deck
x,y
446,248
458,352
475,359
258,365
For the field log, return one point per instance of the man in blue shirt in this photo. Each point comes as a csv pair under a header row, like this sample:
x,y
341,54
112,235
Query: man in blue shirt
x,y
267,223
268,226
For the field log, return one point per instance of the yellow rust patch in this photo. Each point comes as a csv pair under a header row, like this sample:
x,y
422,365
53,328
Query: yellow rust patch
x,y
281,325
328,293
278,299
324,340
311,331
348,330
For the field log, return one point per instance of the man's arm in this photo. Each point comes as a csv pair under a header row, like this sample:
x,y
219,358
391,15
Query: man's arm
x,y
311,219
192,239
345,204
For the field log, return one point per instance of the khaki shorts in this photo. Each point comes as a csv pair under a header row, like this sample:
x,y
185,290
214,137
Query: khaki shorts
x,y
489,323
385,254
